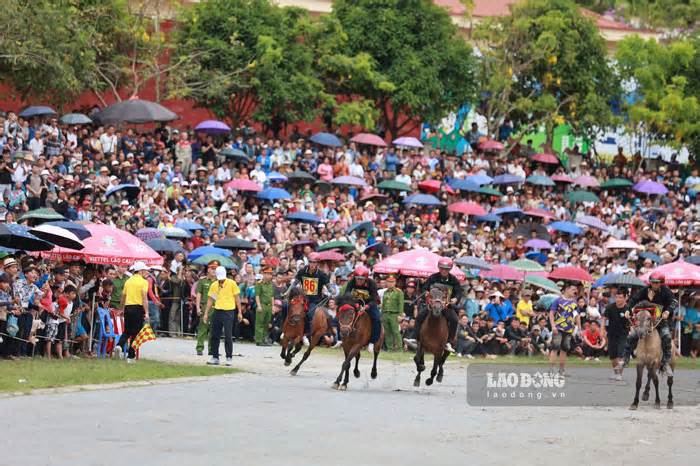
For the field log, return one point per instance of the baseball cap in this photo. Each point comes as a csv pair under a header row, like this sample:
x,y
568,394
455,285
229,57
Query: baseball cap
x,y
220,273
139,266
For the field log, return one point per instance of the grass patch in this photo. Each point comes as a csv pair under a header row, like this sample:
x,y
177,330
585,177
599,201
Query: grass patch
x,y
24,375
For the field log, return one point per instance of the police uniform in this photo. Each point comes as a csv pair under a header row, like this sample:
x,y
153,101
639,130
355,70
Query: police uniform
x,y
454,291
264,292
392,306
367,292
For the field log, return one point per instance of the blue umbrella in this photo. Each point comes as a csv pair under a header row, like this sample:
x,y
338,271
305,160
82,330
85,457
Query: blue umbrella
x,y
695,260
175,232
164,245
480,179
36,110
601,281
566,227
204,250
131,190
6,251
464,185
189,225
507,179
367,226
273,194
276,177
537,256
422,199
78,229
540,180
492,218
326,139
510,209
15,236
651,256
305,217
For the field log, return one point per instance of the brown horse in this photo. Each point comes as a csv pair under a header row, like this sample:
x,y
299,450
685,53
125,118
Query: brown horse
x,y
293,331
355,330
433,337
648,356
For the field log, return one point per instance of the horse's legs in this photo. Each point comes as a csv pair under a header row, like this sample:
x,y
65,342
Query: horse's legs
x,y
297,348
354,351
433,371
336,384
640,373
645,395
440,374
356,370
420,367
669,382
312,344
655,379
283,344
373,374
288,356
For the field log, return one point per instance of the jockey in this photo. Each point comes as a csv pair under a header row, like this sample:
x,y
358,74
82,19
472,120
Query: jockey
x,y
444,279
661,295
313,283
360,286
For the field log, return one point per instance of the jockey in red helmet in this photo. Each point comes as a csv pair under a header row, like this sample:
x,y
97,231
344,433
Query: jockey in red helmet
x,y
362,287
445,279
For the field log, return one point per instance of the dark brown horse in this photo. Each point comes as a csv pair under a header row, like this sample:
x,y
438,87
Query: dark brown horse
x,y
355,330
433,337
293,330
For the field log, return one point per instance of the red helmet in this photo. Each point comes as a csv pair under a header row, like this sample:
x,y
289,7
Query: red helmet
x,y
445,263
361,271
313,257
657,277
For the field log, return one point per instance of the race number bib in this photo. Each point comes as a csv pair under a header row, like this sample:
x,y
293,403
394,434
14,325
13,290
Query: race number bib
x,y
310,286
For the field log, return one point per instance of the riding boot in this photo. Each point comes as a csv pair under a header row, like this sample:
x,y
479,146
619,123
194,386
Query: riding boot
x,y
452,322
373,312
666,346
419,322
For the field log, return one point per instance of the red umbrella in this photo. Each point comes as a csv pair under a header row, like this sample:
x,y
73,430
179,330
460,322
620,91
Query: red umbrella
x,y
369,139
572,273
434,186
491,145
332,255
502,272
414,263
240,184
562,179
546,158
539,213
466,208
679,273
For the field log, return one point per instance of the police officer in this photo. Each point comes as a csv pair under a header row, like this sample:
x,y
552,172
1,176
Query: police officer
x,y
444,279
264,294
362,287
392,306
313,282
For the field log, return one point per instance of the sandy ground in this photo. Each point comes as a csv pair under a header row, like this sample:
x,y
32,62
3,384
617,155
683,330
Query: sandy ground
x,y
266,417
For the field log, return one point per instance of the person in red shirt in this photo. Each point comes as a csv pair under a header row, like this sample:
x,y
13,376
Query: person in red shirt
x,y
593,342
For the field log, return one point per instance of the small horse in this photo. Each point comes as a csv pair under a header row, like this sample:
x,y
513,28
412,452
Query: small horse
x,y
433,337
293,331
355,330
648,355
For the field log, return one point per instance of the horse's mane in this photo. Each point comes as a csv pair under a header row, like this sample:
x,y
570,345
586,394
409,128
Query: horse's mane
x,y
346,299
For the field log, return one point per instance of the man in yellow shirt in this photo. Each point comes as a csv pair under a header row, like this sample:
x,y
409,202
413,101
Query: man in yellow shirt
x,y
134,303
524,310
224,297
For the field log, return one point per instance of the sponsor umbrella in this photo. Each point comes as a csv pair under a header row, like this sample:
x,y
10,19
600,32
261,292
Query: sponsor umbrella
x,y
58,236
466,208
679,273
326,139
369,139
135,111
414,263
213,127
407,141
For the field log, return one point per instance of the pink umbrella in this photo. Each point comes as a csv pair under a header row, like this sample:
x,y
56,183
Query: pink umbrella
x,y
622,244
540,213
546,158
107,246
414,263
240,184
408,141
332,255
491,145
434,186
466,208
587,181
572,273
562,179
679,273
502,272
369,139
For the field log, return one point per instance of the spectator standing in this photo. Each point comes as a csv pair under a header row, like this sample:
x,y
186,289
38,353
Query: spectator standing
x,y
616,330
224,299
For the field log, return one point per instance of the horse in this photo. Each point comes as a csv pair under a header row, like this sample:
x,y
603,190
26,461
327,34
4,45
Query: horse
x,y
355,330
648,356
433,337
293,331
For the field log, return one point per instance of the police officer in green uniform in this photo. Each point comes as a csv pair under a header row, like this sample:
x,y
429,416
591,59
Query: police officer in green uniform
x,y
392,306
201,297
264,295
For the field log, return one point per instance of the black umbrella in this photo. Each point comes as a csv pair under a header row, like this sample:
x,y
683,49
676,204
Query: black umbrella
x,y
18,237
236,155
234,243
299,175
58,236
75,119
39,216
135,111
625,281
37,110
526,230
695,260
164,245
78,229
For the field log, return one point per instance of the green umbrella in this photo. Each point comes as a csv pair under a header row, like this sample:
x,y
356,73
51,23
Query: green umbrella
x,y
541,282
223,261
38,216
394,185
336,245
526,265
490,190
545,301
582,196
613,183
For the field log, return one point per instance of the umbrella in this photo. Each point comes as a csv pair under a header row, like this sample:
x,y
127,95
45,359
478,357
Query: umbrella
x,y
679,273
189,225
695,260
434,186
15,236
393,185
42,215
466,208
367,226
144,234
537,243
234,243
36,110
566,227
204,250
414,263
273,194
654,258
131,190
601,281
546,158
108,246
490,191
571,273
491,218
58,236
175,232
422,199
349,180
508,179
542,282
537,256
546,300
491,146
408,141
582,196
135,111
213,127
562,179
276,177
369,139
622,244
236,155
75,119
164,245
527,229
240,184
299,175
526,265
650,187
620,279
542,213
372,196
587,181
344,245
464,185
540,180
479,179
472,262
303,217
224,261
508,210
502,272
330,256
78,229
593,222
326,139
614,183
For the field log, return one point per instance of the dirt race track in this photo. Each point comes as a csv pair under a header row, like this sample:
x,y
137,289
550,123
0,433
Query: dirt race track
x,y
266,417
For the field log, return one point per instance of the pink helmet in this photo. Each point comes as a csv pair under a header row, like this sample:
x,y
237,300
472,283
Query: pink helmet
x,y
445,263
361,271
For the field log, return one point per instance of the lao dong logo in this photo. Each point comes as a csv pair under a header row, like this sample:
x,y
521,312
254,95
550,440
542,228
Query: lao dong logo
x,y
536,380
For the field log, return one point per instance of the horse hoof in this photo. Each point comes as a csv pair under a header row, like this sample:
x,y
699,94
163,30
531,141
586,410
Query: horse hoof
x,y
335,386
633,407
343,388
286,363
293,372
657,405
416,383
356,373
374,374
669,405
429,382
645,396
439,378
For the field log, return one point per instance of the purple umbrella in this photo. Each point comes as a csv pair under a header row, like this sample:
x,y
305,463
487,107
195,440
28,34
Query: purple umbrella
x,y
146,234
349,180
650,187
537,243
508,179
408,141
213,127
369,139
593,222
